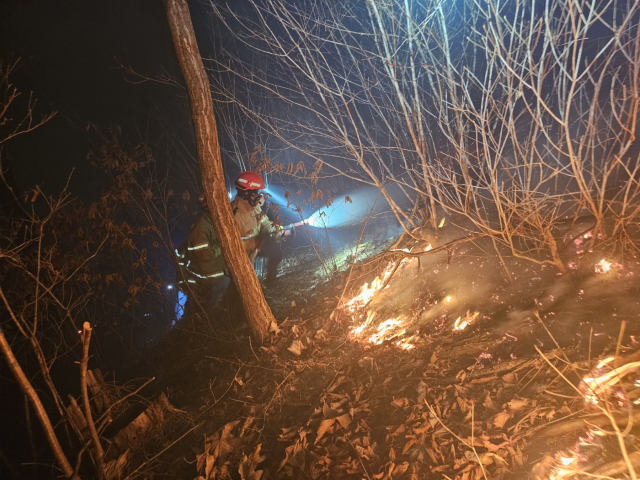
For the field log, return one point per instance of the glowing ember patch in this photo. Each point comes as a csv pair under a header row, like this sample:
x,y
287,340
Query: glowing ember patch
x,y
429,247
360,328
405,343
448,298
566,461
387,330
367,292
603,266
597,385
605,361
462,323
392,330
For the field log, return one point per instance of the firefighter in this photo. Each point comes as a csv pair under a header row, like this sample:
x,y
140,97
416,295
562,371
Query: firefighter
x,y
201,261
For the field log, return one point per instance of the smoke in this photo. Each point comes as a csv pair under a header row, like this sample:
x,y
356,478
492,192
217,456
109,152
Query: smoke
x,y
355,207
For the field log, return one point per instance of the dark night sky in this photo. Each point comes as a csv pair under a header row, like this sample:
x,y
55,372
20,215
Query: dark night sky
x,y
71,55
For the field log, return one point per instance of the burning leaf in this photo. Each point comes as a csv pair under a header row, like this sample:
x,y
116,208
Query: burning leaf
x,y
296,348
247,467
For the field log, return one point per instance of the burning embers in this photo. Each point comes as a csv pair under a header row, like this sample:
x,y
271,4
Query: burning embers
x,y
463,322
367,292
397,329
392,330
610,389
603,266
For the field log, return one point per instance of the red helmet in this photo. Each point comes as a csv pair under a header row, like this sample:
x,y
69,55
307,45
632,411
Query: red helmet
x,y
249,181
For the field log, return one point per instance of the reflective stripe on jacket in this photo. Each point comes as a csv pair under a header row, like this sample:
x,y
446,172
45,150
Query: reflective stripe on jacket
x,y
203,256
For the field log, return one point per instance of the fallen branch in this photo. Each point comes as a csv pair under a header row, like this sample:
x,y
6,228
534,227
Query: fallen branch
x,y
447,246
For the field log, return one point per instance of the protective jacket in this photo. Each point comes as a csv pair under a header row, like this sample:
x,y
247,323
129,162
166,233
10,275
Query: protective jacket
x,y
200,258
253,224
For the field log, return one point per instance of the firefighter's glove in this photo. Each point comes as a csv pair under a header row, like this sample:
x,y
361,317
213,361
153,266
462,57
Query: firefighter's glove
x,y
290,234
261,240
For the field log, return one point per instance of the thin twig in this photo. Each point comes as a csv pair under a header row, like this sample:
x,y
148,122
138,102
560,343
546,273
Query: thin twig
x,y
98,456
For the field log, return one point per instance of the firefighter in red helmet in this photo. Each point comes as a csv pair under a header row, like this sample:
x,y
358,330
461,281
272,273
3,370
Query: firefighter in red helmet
x,y
201,261
258,234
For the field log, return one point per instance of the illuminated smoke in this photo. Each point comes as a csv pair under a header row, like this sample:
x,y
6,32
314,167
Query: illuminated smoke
x,y
354,207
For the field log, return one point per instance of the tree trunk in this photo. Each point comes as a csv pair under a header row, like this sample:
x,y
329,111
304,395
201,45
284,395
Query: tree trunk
x,y
206,133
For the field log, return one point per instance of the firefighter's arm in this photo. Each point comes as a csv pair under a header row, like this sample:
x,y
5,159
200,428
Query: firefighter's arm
x,y
266,226
214,246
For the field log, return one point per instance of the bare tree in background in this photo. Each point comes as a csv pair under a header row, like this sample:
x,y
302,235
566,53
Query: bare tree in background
x,y
256,309
513,115
65,266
